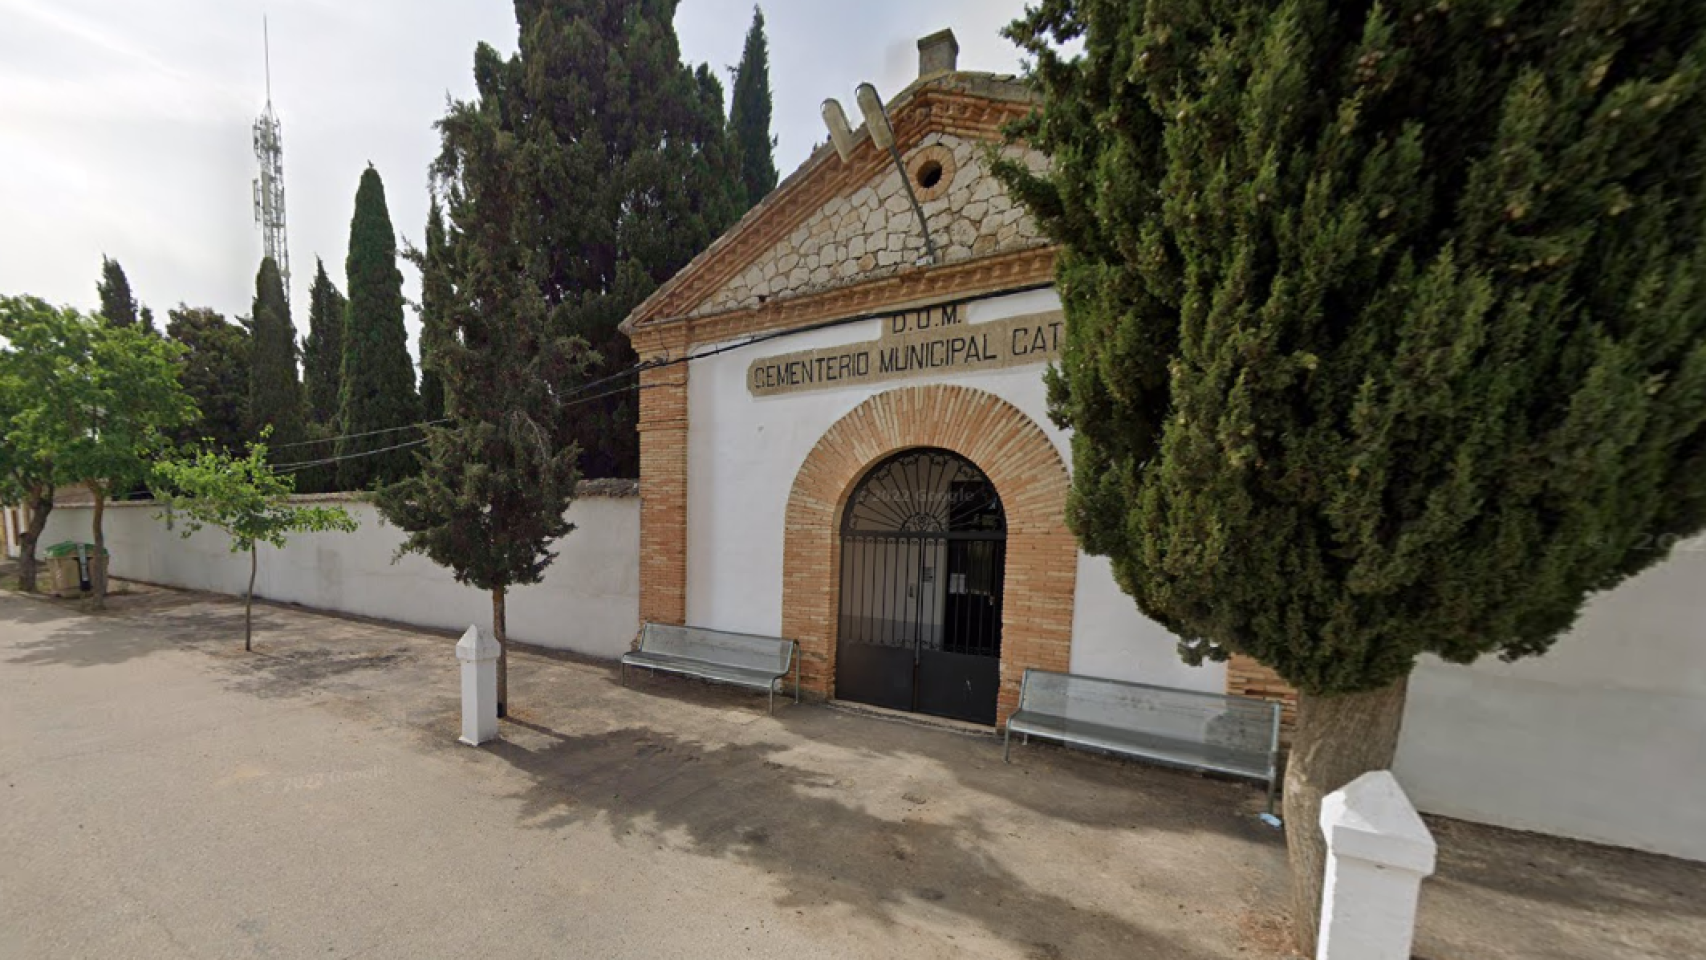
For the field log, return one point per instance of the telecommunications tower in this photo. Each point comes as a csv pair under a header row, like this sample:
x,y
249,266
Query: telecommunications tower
x,y
269,186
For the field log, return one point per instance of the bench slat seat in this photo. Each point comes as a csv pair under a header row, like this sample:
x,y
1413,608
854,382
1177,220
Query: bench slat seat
x,y
1238,736
742,676
1182,753
734,658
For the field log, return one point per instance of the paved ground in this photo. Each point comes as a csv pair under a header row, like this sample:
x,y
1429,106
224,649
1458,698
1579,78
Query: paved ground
x,y
166,794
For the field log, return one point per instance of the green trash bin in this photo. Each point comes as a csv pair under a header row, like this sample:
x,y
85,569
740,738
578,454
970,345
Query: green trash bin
x,y
72,565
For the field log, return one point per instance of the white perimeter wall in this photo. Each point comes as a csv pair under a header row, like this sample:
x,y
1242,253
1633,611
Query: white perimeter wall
x,y
588,602
1603,738
744,451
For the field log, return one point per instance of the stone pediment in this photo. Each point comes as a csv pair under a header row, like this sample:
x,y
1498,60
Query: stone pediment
x,y
835,226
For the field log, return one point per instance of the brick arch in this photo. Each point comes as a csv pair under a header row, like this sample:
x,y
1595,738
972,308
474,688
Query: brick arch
x,y
1011,450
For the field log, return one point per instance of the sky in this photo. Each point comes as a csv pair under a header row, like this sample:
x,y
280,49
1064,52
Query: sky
x,y
125,127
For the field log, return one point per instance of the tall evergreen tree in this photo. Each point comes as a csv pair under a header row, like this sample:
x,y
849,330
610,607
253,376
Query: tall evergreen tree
x,y
436,293
378,389
1386,329
322,380
323,350
118,303
490,499
275,393
749,114
214,371
630,171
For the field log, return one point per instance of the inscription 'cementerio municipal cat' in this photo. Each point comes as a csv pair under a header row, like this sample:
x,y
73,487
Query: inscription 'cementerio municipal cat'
x,y
912,344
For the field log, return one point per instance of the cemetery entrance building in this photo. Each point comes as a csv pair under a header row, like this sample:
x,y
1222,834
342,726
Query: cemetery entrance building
x,y
845,437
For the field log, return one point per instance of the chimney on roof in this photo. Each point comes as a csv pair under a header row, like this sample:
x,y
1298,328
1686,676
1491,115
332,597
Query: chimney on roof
x,y
938,53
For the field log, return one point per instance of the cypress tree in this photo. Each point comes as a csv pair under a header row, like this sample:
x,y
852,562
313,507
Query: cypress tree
x,y
214,371
436,293
322,380
118,304
749,114
378,379
630,170
1386,329
275,393
490,499
323,350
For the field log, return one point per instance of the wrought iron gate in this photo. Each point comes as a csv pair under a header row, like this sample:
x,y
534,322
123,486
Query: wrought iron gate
x,y
923,558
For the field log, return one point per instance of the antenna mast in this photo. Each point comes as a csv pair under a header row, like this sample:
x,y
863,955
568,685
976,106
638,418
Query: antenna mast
x,y
269,186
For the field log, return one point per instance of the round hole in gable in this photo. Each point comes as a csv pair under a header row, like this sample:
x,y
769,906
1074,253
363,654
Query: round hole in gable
x,y
929,173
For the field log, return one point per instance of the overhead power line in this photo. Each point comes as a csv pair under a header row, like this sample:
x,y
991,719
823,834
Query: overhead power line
x,y
655,364
305,464
356,436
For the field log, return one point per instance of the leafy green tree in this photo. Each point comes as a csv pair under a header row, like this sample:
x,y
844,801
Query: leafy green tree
x,y
118,304
378,380
245,498
26,476
436,294
490,499
275,393
215,374
1386,329
749,114
628,164
102,401
323,350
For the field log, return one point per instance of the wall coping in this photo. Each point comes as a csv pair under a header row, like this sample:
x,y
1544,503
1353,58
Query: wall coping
x,y
609,488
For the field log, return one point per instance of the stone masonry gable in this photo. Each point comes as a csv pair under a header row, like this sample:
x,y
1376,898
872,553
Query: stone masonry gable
x,y
837,237
872,232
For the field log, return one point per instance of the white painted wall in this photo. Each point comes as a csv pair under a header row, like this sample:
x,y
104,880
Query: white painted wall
x,y
1603,738
588,602
744,451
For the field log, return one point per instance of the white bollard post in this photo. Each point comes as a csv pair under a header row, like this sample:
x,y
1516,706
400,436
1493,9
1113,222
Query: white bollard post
x,y
1378,851
479,656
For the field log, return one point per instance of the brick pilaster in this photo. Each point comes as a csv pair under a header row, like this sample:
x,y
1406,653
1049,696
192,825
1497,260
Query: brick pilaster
x,y
663,479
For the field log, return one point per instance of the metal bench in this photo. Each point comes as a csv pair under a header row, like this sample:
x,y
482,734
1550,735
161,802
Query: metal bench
x,y
1203,731
738,658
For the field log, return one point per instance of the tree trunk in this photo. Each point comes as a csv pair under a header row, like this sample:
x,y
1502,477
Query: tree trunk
x,y
98,568
1337,740
498,633
249,605
40,505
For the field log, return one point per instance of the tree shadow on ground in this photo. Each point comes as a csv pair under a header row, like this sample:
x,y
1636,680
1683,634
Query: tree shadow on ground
x,y
1084,787
1502,893
750,803
1571,873
78,638
298,672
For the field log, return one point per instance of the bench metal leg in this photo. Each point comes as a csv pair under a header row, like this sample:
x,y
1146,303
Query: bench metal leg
x,y
796,673
1007,747
772,691
1271,780
624,673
